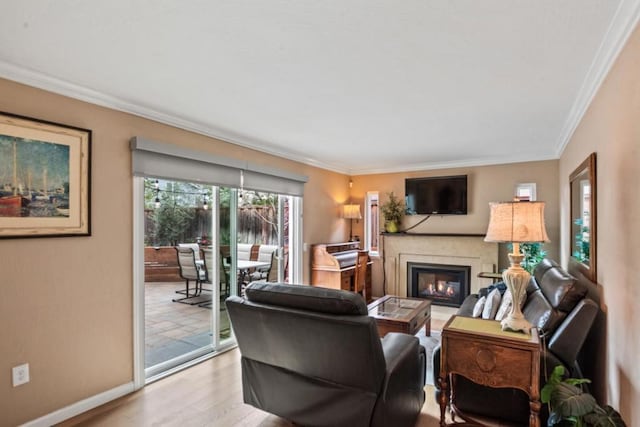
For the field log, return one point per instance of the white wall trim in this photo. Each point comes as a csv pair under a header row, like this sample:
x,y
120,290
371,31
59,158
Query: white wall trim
x,y
81,406
622,25
296,217
507,159
53,84
138,283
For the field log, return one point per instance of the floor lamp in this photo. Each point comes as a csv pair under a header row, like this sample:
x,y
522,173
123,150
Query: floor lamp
x,y
351,212
516,222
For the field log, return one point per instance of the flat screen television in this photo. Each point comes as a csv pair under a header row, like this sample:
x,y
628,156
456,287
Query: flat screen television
x,y
441,195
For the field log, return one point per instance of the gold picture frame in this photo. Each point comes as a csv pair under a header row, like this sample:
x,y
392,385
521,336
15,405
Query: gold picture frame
x,y
45,178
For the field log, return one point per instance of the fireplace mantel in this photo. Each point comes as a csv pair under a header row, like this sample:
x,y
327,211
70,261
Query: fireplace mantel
x,y
453,249
405,234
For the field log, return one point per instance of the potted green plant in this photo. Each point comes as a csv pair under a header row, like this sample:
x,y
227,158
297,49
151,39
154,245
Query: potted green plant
x,y
569,405
393,211
533,254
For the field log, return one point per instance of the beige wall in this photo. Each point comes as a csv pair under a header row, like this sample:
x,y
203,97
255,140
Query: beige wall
x,y
611,128
66,303
485,184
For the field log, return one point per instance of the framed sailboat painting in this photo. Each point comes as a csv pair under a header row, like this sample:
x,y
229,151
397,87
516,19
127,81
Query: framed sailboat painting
x,y
45,178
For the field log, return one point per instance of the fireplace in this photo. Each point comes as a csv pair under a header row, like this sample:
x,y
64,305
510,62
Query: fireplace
x,y
443,284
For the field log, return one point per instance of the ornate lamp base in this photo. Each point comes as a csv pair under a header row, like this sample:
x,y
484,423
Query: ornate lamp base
x,y
517,279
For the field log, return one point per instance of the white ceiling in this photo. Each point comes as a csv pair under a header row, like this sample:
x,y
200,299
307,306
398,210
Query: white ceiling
x,y
352,86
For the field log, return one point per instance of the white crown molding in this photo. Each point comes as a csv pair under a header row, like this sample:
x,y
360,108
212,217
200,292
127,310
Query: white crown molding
x,y
52,84
80,406
61,87
622,25
453,164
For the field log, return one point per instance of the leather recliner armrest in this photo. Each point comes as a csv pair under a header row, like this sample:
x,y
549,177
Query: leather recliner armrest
x,y
402,394
435,363
568,338
399,349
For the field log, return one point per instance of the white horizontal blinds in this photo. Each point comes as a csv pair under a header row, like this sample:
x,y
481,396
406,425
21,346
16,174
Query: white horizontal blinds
x,y
160,160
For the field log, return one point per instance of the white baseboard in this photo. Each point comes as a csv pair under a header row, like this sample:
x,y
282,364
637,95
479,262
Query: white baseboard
x,y
81,406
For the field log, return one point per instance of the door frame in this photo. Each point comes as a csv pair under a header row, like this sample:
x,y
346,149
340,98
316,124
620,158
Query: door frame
x,y
295,269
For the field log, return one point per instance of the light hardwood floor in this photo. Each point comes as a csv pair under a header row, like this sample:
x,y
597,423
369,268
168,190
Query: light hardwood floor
x,y
208,394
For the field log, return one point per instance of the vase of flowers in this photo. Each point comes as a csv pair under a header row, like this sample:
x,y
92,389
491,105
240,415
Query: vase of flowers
x,y
393,212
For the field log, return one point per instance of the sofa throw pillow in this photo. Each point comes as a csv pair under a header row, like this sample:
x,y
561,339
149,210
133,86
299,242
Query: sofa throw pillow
x,y
477,309
505,306
491,304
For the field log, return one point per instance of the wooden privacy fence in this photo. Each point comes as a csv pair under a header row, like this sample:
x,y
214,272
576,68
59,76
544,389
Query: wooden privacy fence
x,y
256,225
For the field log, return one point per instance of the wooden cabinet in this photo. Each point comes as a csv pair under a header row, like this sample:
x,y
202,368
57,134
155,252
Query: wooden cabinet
x,y
333,266
480,351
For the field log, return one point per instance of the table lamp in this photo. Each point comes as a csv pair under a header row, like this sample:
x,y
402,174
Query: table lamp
x,y
351,212
516,222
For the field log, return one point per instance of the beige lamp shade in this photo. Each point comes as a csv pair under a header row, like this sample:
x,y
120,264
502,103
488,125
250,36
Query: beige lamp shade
x,y
520,222
351,212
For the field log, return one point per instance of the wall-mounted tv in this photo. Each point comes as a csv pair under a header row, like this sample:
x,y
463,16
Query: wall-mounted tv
x,y
441,195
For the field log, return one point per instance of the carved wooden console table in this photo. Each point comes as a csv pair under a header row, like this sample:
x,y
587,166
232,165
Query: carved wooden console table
x,y
480,351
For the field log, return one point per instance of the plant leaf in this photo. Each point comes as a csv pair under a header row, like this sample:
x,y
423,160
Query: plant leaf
x,y
545,393
557,374
554,380
605,417
568,400
577,381
556,420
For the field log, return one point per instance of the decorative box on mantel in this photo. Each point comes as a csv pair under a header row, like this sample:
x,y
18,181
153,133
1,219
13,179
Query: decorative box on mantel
x,y
455,250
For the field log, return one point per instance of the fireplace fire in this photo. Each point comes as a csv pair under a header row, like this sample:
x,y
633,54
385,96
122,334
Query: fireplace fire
x,y
446,285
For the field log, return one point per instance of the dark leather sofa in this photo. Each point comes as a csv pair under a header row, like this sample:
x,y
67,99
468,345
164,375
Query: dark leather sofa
x,y
313,356
559,306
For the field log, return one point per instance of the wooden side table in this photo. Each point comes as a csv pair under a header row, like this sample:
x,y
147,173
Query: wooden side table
x,y
482,352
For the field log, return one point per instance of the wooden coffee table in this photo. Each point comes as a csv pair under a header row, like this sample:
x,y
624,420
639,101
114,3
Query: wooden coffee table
x,y
398,314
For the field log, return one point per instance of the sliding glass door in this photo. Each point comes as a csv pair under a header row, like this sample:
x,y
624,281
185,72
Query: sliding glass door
x,y
204,227
178,292
203,243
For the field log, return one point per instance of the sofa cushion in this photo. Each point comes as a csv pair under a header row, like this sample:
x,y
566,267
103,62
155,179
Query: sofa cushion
x,y
466,309
539,312
305,297
505,305
542,267
532,286
492,304
551,294
561,289
479,307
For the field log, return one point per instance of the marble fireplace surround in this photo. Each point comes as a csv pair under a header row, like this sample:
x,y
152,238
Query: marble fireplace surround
x,y
472,250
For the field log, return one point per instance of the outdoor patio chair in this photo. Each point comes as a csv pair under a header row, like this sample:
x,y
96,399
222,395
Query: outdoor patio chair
x,y
190,271
225,284
265,253
272,273
198,256
244,251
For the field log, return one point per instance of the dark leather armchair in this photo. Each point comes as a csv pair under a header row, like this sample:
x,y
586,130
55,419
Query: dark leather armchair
x,y
558,305
313,356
